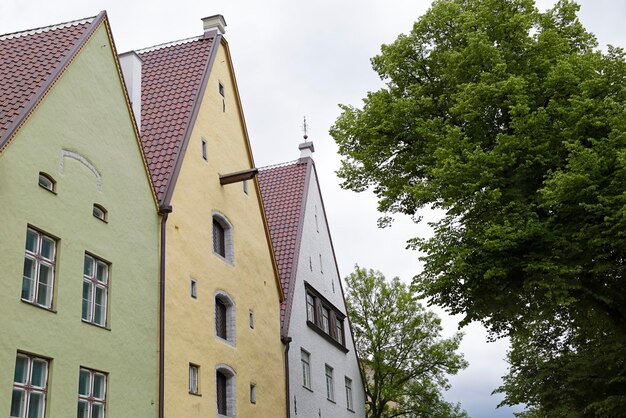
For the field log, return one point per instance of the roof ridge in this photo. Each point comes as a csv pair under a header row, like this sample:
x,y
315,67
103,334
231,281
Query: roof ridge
x,y
42,29
168,44
284,164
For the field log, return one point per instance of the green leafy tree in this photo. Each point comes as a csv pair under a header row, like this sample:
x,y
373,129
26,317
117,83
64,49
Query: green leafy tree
x,y
403,357
512,122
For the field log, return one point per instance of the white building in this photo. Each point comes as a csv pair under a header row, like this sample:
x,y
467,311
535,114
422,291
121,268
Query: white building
x,y
324,380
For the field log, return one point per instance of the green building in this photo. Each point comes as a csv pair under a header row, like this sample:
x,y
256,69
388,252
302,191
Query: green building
x,y
79,231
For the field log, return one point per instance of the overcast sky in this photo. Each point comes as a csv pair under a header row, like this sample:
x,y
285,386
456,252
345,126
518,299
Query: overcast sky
x,y
297,58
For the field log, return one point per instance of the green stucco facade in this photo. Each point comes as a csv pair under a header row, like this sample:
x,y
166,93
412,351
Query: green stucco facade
x,y
83,121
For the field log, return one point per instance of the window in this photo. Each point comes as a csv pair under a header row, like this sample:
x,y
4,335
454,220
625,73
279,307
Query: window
x,y
204,150
39,264
99,212
245,186
220,87
95,290
305,358
219,241
251,319
193,379
193,288
310,307
225,391
339,330
317,227
92,389
326,319
30,385
252,393
321,267
224,317
330,388
47,182
223,238
349,403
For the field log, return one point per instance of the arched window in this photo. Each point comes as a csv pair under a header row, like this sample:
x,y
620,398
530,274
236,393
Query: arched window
x,y
223,238
99,212
47,182
225,317
225,391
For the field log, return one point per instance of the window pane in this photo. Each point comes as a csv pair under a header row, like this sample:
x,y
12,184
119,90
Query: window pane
x,y
28,281
100,309
36,405
21,370
220,318
325,320
87,300
88,267
99,386
219,246
47,248
44,291
31,241
221,394
101,272
38,377
83,409
83,383
97,410
17,403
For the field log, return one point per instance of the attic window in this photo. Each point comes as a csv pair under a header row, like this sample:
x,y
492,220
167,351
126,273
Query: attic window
x,y
99,212
47,182
204,150
221,89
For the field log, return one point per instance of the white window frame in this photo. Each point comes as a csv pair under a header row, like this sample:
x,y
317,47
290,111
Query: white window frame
x,y
305,360
349,400
89,398
35,256
46,181
330,384
99,212
91,279
28,388
194,379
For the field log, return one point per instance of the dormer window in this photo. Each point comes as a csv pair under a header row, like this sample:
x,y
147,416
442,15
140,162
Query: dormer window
x,y
47,182
99,212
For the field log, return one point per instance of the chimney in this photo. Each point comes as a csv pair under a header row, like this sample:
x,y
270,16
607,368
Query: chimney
x,y
306,149
131,69
215,22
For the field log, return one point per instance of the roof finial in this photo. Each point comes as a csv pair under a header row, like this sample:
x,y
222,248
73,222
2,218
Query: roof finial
x,y
305,130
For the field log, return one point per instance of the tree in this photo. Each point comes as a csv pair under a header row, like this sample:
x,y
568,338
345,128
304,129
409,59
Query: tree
x,y
403,358
509,120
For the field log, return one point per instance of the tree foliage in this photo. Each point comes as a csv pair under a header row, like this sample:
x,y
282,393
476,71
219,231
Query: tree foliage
x,y
513,123
403,357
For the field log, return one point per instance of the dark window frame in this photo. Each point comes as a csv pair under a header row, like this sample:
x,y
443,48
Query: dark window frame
x,y
335,317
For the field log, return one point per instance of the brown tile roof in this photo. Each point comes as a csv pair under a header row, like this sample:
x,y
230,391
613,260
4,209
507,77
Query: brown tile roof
x,y
282,189
27,60
172,77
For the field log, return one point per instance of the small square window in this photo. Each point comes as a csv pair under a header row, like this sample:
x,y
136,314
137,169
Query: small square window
x,y
47,182
204,150
251,319
252,393
99,212
193,379
193,288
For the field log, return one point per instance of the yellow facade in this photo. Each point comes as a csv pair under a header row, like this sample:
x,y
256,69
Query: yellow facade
x,y
257,355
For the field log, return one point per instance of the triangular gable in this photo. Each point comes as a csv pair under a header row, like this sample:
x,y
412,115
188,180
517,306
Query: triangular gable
x,y
32,61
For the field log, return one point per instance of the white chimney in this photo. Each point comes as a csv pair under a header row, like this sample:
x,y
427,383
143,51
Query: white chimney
x,y
131,69
216,22
306,149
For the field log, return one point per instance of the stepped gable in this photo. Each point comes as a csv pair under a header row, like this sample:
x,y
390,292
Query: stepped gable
x,y
171,80
282,190
29,59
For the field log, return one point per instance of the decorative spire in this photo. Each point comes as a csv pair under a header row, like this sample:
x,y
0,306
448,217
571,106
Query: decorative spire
x,y
306,148
305,129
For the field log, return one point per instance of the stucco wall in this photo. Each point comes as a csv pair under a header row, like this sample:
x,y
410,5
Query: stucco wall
x,y
250,282
84,113
324,279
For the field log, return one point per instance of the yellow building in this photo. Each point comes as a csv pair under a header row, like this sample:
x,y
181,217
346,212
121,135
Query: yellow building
x,y
222,353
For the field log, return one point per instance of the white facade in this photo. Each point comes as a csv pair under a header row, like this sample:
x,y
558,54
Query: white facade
x,y
317,267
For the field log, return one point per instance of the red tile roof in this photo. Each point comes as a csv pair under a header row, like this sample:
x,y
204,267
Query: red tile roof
x,y
171,78
282,190
27,60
